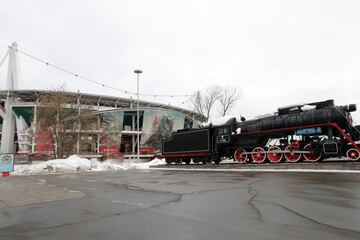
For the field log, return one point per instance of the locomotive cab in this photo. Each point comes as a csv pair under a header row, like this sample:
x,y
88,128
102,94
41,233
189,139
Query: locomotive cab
x,y
222,141
222,134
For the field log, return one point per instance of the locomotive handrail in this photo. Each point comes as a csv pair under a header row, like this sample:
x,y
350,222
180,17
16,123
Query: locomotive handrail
x,y
345,135
282,129
347,120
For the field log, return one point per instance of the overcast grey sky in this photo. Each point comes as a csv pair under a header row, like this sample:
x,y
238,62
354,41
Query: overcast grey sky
x,y
278,52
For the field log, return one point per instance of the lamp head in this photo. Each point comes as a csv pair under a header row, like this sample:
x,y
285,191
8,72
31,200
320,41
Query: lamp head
x,y
137,71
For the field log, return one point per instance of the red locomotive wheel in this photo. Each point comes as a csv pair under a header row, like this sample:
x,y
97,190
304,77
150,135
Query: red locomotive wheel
x,y
240,155
353,154
312,156
274,154
258,155
291,156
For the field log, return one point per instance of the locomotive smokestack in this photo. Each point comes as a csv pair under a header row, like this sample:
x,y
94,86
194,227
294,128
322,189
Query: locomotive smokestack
x,y
352,107
349,108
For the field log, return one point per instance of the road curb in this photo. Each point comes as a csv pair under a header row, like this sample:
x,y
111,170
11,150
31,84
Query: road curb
x,y
343,167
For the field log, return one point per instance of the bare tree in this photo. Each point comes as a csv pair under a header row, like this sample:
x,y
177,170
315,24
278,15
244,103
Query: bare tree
x,y
196,101
204,101
228,98
211,95
60,119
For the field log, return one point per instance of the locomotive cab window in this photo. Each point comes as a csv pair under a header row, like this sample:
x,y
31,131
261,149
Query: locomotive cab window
x,y
220,131
223,131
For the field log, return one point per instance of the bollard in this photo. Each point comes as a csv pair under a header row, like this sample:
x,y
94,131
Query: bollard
x,y
93,162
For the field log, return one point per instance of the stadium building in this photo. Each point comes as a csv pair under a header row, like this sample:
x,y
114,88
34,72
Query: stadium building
x,y
112,128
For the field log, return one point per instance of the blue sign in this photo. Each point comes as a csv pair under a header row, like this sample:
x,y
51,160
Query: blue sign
x,y
6,163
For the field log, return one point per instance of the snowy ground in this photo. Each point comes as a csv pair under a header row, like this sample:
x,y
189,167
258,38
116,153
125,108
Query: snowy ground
x,y
75,164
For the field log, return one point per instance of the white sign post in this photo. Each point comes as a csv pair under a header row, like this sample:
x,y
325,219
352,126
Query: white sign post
x,y
6,164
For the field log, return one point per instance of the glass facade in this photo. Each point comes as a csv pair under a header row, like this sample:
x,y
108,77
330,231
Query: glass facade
x,y
157,125
115,131
119,130
112,126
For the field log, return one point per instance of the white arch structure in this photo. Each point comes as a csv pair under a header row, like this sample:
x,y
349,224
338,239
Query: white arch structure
x,y
8,128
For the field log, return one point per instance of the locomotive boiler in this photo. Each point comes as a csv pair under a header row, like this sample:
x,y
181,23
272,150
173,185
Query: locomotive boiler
x,y
310,132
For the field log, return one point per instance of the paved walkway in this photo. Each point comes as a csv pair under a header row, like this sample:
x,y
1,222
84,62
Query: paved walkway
x,y
16,191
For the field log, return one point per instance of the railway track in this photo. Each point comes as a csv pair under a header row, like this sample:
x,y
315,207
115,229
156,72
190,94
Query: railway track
x,y
332,164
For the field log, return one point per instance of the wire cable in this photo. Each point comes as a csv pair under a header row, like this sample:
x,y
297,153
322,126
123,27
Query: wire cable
x,y
93,80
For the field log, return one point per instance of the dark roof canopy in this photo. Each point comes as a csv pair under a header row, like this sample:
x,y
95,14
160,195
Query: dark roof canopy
x,y
97,100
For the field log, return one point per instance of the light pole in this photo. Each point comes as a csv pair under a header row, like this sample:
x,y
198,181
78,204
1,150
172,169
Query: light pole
x,y
138,71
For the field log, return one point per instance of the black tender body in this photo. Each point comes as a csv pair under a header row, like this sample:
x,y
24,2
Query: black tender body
x,y
195,141
311,132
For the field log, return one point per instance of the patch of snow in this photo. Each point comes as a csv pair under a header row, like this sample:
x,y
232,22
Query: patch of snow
x,y
110,165
75,164
146,165
308,107
293,105
219,121
264,115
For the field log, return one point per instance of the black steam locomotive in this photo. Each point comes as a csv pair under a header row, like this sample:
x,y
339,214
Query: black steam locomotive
x,y
311,132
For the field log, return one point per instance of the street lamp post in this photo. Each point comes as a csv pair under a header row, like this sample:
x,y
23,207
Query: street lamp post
x,y
138,71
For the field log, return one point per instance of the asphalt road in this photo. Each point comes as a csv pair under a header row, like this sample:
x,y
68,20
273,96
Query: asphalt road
x,y
174,205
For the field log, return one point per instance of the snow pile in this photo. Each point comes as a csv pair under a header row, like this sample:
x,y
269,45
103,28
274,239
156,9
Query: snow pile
x,y
114,165
110,165
146,165
71,164
75,164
